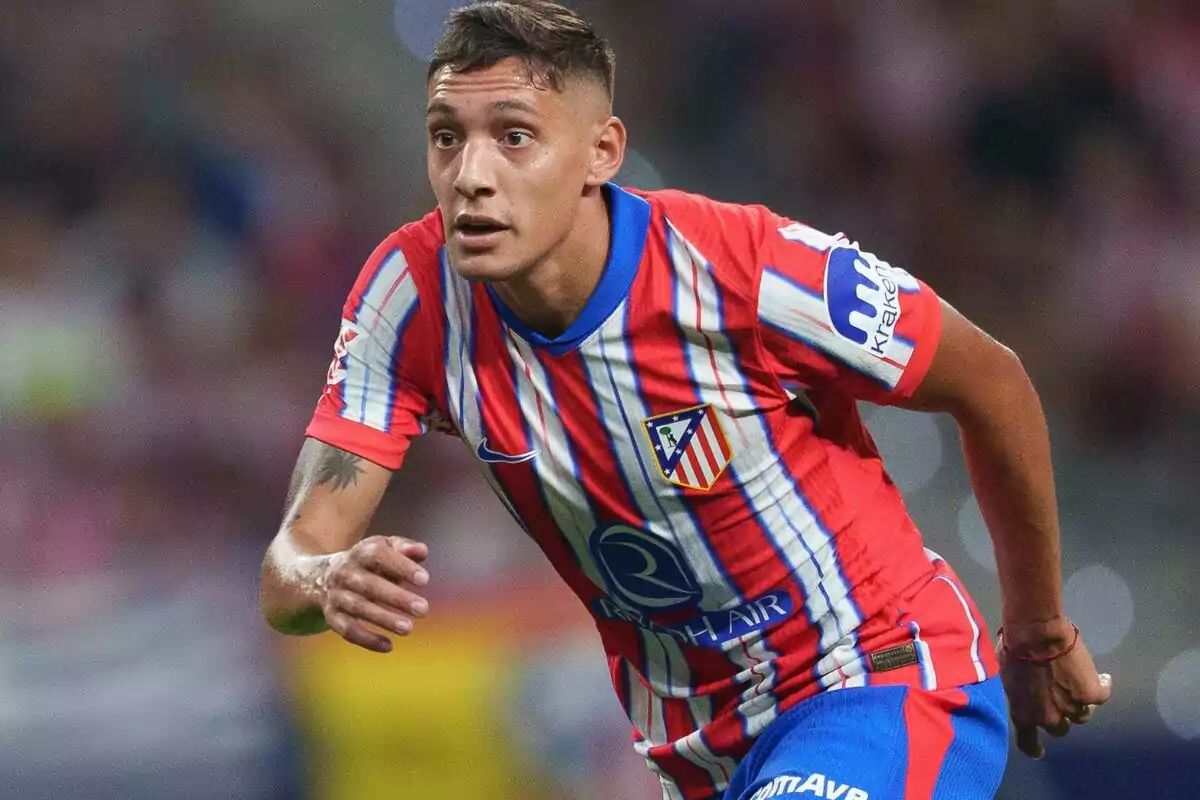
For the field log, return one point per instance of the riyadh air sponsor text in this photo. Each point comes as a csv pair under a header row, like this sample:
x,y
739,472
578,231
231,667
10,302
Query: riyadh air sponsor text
x,y
712,628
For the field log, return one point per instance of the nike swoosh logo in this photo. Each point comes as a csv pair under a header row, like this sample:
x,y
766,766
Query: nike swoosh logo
x,y
489,455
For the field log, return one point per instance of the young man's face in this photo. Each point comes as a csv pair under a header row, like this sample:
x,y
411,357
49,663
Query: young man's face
x,y
509,161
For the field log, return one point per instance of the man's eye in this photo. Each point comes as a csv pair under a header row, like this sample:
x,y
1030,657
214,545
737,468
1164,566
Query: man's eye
x,y
517,138
443,140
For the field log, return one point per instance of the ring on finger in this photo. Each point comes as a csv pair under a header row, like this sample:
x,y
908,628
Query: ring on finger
x,y
1083,714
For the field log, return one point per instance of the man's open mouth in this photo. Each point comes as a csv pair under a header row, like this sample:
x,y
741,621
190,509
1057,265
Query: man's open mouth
x,y
478,226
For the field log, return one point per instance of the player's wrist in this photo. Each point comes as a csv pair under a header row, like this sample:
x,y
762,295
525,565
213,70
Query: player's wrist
x,y
1039,639
321,569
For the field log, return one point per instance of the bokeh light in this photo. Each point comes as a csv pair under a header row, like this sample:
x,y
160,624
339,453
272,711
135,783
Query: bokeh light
x,y
1098,600
419,24
911,446
1178,690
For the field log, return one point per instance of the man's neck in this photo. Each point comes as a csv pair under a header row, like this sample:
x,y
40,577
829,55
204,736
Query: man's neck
x,y
552,294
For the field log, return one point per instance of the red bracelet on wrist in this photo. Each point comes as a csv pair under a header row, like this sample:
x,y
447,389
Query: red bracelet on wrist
x,y
1039,659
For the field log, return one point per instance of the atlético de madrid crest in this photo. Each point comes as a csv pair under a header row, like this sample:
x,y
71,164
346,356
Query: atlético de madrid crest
x,y
689,445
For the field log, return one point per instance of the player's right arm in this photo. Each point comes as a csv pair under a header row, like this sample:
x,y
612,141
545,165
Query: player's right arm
x,y
320,572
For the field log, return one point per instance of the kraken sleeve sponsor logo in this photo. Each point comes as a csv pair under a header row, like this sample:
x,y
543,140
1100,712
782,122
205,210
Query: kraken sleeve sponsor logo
x,y
713,628
644,570
862,296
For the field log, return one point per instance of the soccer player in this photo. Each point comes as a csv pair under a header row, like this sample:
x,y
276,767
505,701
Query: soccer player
x,y
661,389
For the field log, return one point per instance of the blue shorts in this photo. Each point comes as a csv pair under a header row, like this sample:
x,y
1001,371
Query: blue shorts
x,y
882,743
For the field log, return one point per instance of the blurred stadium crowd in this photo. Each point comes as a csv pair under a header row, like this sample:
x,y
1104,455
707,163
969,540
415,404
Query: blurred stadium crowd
x,y
188,188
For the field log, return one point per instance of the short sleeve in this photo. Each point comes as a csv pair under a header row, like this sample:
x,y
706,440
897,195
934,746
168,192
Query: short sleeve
x,y
373,403
831,313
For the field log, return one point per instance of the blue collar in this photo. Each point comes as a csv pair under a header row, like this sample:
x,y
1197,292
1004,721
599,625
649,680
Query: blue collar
x,y
630,220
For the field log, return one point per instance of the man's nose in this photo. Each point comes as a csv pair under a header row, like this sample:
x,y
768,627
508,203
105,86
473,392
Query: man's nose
x,y
476,175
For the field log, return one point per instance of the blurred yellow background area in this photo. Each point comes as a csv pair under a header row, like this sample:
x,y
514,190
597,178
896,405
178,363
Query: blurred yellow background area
x,y
419,722
434,718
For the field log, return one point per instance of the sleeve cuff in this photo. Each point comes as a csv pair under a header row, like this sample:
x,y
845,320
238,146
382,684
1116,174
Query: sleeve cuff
x,y
922,358
384,449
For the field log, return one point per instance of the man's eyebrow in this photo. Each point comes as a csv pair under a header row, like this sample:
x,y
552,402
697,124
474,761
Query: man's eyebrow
x,y
513,105
442,108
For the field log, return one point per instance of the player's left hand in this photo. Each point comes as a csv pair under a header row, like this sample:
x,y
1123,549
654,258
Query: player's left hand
x,y
1049,690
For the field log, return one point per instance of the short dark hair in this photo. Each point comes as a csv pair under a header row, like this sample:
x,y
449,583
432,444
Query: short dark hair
x,y
552,40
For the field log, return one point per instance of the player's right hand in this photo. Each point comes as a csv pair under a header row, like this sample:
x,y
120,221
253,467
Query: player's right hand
x,y
366,585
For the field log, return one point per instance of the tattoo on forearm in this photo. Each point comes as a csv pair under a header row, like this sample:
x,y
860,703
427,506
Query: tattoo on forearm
x,y
340,469
319,464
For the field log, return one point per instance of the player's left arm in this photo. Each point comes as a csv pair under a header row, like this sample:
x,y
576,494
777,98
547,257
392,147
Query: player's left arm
x,y
833,315
1048,673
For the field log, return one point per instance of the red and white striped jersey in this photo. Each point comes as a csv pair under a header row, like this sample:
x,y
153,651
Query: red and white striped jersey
x,y
688,455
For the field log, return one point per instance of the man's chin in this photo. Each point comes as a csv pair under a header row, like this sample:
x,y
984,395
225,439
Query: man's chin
x,y
488,267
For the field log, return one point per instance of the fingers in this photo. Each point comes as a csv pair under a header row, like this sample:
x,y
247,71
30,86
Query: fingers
x,y
416,551
379,592
376,602
1059,729
355,633
1028,741
359,609
368,588
1087,705
380,556
1080,713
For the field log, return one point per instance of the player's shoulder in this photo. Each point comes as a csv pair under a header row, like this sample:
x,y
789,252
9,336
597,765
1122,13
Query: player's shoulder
x,y
700,217
731,238
738,228
402,269
704,217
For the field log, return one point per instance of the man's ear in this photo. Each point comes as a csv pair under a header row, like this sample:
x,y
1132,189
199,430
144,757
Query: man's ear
x,y
608,152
